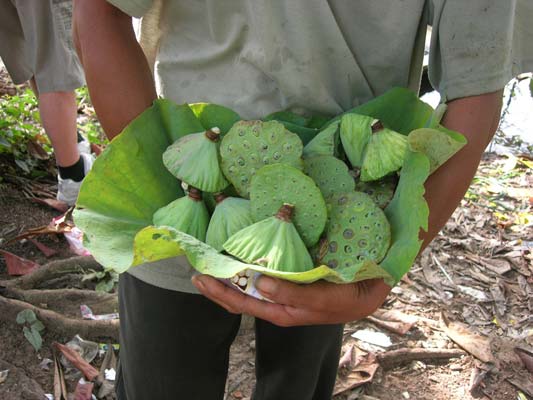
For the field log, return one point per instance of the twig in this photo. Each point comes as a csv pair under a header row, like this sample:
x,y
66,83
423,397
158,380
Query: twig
x,y
392,358
442,269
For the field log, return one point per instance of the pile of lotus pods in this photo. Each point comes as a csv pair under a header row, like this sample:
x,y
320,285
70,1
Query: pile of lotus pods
x,y
261,196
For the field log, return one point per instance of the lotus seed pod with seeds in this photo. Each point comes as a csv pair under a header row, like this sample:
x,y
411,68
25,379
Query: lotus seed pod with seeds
x,y
330,174
276,184
230,216
194,159
187,214
250,145
385,153
357,231
355,133
381,191
273,242
325,143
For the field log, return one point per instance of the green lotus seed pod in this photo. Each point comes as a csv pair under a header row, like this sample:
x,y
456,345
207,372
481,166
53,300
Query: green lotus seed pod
x,y
385,153
330,174
276,184
357,230
380,191
230,216
324,143
250,145
194,159
273,242
187,214
355,133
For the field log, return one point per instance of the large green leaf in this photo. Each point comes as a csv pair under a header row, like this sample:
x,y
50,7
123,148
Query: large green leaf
x,y
153,244
398,109
407,213
128,183
213,115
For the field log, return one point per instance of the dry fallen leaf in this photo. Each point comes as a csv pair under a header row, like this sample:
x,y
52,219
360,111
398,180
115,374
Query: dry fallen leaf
x,y
17,265
473,343
47,251
361,373
526,355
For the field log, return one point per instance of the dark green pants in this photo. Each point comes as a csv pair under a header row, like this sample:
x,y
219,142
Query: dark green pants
x,y
176,346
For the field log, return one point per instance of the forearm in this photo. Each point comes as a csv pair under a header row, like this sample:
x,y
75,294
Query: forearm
x,y
118,76
477,119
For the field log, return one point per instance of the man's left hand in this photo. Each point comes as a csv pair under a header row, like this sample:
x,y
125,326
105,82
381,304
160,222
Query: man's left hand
x,y
293,304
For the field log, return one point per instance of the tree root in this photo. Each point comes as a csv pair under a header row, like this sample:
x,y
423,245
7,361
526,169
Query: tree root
x,y
393,358
53,270
64,326
50,305
66,301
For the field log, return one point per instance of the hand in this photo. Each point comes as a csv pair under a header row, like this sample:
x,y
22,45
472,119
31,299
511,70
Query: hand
x,y
310,304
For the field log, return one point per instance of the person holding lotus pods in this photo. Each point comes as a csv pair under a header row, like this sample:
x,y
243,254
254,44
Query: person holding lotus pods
x,y
310,57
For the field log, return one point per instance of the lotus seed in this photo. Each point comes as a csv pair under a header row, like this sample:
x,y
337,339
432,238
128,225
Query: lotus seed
x,y
241,161
348,234
347,249
332,263
333,247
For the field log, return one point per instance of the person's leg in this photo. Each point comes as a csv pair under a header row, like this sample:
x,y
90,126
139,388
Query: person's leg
x,y
173,345
58,112
296,363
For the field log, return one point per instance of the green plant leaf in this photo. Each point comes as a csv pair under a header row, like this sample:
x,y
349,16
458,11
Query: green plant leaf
x,y
34,337
37,325
105,286
211,115
287,116
128,183
207,260
398,109
407,213
26,315
437,144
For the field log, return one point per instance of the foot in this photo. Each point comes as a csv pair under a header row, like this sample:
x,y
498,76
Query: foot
x,y
68,189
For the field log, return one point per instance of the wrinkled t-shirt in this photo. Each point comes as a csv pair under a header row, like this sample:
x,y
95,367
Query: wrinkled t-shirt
x,y
322,57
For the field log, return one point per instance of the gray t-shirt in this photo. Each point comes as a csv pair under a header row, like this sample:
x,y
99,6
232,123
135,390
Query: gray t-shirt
x,y
318,56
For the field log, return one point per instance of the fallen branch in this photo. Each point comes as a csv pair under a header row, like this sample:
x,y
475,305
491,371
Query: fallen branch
x,y
393,358
52,270
88,329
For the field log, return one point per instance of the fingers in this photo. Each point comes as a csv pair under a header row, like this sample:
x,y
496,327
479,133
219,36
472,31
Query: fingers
x,y
240,303
318,296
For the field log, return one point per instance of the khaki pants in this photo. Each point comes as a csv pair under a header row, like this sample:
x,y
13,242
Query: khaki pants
x,y
36,41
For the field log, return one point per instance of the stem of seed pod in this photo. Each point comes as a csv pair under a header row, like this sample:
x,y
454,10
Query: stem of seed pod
x,y
219,197
377,126
213,134
195,194
285,212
